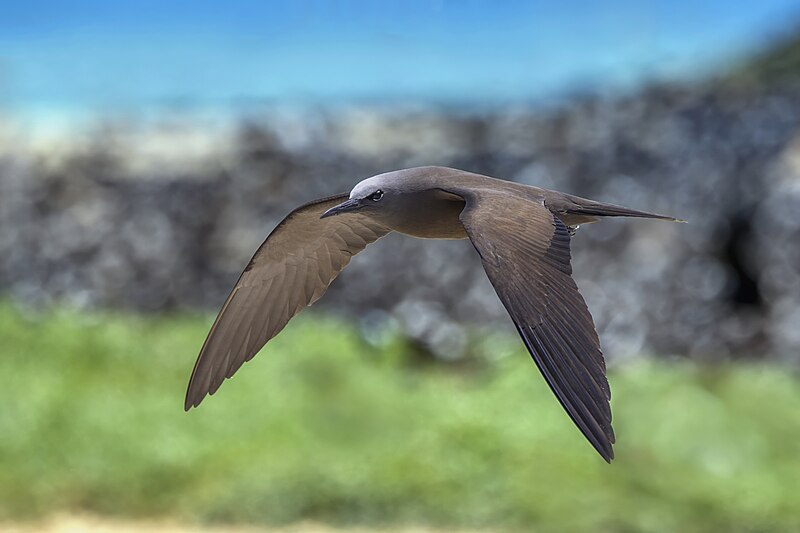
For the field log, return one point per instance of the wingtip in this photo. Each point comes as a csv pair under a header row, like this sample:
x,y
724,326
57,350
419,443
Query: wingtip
x,y
605,447
606,452
190,402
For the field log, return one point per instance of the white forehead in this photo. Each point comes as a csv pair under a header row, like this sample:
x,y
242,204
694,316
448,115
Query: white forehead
x,y
405,180
368,186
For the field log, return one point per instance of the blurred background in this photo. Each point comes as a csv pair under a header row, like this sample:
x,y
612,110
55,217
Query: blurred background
x,y
146,150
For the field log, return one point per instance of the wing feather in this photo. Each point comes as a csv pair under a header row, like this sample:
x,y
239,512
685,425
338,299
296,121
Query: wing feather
x,y
525,250
290,270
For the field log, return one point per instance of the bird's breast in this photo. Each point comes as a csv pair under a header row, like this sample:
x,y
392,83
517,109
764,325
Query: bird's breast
x,y
431,215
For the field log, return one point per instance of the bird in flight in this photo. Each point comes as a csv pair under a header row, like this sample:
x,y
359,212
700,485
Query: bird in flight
x,y
521,233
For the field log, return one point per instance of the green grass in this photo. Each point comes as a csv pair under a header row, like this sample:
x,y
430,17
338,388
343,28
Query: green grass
x,y
323,427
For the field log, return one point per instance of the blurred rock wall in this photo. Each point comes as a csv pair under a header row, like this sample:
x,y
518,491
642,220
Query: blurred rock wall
x,y
164,215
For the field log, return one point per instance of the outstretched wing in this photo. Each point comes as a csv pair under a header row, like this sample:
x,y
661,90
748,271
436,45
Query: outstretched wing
x,y
525,251
291,270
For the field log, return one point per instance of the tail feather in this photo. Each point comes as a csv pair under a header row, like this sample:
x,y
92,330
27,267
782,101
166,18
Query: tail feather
x,y
610,210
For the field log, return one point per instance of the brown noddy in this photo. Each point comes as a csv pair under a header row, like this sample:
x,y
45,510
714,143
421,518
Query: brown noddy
x,y
522,234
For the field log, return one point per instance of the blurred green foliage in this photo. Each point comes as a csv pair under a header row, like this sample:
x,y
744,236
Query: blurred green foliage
x,y
322,426
778,63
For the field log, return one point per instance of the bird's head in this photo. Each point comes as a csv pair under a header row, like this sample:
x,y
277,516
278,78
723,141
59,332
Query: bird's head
x,y
375,196
409,201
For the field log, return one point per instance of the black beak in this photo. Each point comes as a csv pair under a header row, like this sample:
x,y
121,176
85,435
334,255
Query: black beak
x,y
353,204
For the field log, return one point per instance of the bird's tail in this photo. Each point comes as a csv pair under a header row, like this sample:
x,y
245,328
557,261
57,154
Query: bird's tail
x,y
598,209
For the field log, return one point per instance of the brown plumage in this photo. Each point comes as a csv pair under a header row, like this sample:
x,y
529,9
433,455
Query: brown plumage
x,y
521,233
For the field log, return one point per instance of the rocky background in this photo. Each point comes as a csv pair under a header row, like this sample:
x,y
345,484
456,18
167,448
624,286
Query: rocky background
x,y
162,214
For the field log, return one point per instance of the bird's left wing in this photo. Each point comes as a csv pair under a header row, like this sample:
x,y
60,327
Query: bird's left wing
x,y
291,270
525,251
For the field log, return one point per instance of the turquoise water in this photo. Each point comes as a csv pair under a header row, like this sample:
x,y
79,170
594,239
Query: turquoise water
x,y
58,57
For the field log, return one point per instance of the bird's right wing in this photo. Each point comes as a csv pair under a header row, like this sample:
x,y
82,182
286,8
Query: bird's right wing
x,y
525,251
291,270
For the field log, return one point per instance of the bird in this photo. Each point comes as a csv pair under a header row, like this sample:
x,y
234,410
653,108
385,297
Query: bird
x,y
521,233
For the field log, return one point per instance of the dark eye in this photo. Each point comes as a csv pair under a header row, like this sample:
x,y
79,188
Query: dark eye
x,y
376,196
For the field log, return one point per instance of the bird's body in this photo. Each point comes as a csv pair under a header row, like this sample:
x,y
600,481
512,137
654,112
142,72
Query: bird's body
x,y
522,234
428,210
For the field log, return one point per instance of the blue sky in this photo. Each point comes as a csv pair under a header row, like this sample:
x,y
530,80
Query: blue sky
x,y
96,55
